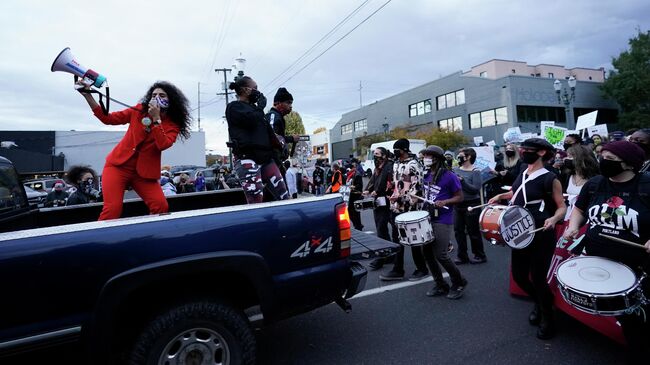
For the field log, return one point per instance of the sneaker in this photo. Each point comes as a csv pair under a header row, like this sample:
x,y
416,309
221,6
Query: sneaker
x,y
438,290
450,248
418,275
459,261
478,260
392,275
456,291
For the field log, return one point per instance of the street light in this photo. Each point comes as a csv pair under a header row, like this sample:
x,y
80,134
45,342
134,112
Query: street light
x,y
239,65
566,98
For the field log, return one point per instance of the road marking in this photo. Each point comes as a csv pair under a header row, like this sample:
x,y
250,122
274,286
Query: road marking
x,y
396,286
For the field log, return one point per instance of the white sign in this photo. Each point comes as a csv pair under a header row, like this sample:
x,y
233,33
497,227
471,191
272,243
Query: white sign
x,y
512,135
599,129
587,120
491,143
478,140
555,136
525,136
484,158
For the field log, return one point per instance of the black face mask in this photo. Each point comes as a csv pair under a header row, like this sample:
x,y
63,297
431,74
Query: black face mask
x,y
378,159
644,147
567,146
397,153
254,96
510,153
461,160
609,168
529,157
568,164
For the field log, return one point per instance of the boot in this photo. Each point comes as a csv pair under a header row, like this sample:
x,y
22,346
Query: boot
x,y
535,316
546,329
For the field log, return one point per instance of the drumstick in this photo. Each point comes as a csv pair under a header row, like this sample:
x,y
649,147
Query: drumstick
x,y
469,209
424,200
536,230
620,240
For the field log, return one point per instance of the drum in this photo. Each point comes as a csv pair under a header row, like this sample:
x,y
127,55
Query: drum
x,y
509,225
598,285
364,204
414,228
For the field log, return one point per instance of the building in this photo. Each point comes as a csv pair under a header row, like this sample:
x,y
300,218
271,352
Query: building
x,y
320,146
41,152
484,101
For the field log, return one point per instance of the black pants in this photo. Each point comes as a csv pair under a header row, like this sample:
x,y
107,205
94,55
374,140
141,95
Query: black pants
x,y
636,329
355,215
435,254
468,220
533,262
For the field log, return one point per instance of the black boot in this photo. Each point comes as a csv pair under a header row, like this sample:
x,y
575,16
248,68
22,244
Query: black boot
x,y
546,329
535,316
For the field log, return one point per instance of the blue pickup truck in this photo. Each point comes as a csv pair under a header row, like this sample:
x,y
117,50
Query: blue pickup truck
x,y
166,289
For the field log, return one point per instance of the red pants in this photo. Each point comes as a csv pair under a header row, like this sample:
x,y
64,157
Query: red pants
x,y
115,180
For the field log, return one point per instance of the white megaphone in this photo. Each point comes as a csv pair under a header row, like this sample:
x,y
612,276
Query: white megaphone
x,y
65,62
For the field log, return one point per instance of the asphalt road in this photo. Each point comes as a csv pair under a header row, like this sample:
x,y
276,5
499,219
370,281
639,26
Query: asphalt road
x,y
403,326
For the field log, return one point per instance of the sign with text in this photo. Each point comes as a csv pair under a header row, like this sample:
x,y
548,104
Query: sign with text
x,y
599,129
555,136
478,140
512,135
484,158
586,120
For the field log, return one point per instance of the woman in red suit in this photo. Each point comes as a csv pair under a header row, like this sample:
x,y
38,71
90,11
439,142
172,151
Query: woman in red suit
x,y
154,125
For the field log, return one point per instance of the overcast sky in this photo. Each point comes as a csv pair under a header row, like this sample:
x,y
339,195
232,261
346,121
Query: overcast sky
x,y
405,44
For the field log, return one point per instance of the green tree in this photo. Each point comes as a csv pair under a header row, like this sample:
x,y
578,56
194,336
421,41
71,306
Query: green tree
x,y
629,83
319,130
445,139
294,124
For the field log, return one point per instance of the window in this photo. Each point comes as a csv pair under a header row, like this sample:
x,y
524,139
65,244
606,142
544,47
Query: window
x,y
483,74
488,118
451,99
347,128
550,75
589,77
451,124
536,114
361,125
538,75
420,108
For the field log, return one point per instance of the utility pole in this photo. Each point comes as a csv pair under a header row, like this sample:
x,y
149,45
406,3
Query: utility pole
x,y
199,108
226,93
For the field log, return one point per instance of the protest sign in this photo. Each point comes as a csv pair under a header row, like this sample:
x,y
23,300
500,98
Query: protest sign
x,y
512,135
484,158
600,129
555,136
478,140
586,120
544,124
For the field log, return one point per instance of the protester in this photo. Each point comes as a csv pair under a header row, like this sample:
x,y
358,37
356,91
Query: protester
x,y
617,204
167,186
580,166
598,150
449,159
597,139
337,179
84,180
318,177
253,140
354,181
442,189
539,191
290,176
199,182
185,185
380,187
57,197
282,105
154,124
464,219
511,163
642,139
407,173
572,139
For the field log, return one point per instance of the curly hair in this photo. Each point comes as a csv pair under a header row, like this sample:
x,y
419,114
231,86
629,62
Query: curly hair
x,y
74,174
179,109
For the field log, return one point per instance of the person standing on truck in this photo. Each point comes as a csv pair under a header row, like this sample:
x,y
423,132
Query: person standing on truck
x,y
154,124
282,105
407,173
253,141
84,180
380,187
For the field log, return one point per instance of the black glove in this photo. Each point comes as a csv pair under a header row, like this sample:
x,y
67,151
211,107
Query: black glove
x,y
261,102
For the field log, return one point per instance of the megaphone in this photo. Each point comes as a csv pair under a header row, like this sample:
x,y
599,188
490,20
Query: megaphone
x,y
65,62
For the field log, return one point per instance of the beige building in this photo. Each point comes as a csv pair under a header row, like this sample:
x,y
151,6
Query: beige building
x,y
496,68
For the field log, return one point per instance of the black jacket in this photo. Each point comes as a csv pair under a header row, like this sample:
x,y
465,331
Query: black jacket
x,y
249,131
379,182
279,125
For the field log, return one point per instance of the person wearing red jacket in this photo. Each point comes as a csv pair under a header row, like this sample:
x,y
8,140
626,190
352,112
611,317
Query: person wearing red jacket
x,y
154,124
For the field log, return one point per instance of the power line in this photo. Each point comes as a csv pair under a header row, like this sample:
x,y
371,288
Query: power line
x,y
335,43
322,39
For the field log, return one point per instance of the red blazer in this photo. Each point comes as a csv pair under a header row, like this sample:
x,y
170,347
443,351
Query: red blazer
x,y
149,146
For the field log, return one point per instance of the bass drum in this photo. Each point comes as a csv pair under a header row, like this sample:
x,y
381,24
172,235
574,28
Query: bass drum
x,y
507,225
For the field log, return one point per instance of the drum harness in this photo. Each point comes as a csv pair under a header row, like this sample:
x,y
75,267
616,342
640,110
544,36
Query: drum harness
x,y
521,187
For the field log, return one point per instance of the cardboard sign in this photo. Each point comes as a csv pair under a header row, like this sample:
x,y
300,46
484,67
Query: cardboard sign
x,y
478,140
484,158
555,136
545,124
600,129
512,135
586,120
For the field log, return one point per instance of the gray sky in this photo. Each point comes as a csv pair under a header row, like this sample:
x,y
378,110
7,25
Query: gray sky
x,y
407,43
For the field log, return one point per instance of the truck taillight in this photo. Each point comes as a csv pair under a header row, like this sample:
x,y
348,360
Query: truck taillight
x,y
345,234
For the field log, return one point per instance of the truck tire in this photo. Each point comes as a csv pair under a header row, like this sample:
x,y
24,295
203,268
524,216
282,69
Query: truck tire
x,y
196,333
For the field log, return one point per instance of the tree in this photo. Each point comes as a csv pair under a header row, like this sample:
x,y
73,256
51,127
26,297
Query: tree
x,y
445,139
319,130
294,124
629,83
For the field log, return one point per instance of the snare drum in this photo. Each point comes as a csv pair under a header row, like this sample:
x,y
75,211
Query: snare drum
x,y
597,285
509,225
364,204
414,228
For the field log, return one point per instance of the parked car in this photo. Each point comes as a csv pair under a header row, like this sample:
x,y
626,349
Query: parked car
x,y
45,185
35,196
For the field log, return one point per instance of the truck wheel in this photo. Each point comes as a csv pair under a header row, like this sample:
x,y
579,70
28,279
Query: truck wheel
x,y
196,333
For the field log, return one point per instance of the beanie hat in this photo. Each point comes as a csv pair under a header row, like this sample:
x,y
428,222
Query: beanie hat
x,y
402,144
629,152
282,95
